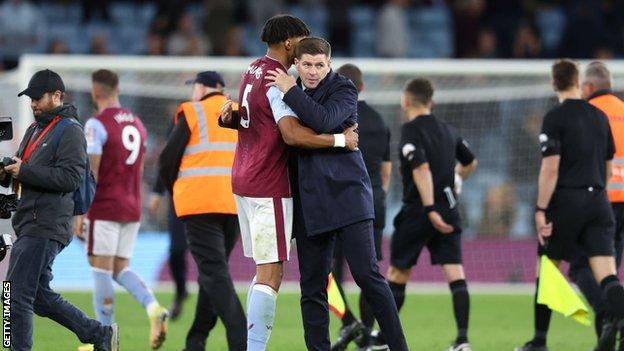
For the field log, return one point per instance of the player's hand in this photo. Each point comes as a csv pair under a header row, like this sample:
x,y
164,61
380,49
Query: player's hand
x,y
79,227
459,182
226,112
352,138
543,227
439,224
14,169
280,79
154,204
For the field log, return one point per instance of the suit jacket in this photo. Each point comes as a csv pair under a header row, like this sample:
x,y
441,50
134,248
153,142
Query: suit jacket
x,y
332,187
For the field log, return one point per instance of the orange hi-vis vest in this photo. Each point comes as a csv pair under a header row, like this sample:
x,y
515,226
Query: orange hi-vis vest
x,y
613,107
204,183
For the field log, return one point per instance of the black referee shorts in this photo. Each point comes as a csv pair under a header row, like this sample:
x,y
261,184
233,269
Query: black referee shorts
x,y
581,263
413,232
583,225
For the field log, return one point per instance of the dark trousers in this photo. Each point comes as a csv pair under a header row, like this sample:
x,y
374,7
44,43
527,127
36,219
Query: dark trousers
x,y
315,257
30,273
177,252
211,238
582,275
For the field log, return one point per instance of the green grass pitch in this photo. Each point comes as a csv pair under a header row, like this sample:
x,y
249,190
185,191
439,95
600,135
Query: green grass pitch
x,y
497,323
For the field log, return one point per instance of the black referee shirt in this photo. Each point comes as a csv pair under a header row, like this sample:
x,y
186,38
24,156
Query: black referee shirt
x,y
427,139
374,142
580,134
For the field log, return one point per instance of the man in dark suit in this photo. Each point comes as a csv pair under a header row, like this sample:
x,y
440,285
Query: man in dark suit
x,y
333,197
375,146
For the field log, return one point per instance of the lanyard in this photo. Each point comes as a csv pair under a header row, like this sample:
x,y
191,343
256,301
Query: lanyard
x,y
32,145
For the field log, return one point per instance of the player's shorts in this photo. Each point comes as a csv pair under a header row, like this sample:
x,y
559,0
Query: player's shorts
x,y
413,232
583,225
266,227
109,238
582,262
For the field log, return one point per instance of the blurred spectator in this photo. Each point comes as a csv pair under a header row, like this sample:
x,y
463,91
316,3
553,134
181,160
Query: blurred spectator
x,y
99,45
95,8
499,210
339,26
155,44
613,20
503,16
587,32
526,44
57,47
186,40
467,15
218,24
168,14
21,30
234,40
261,10
393,29
603,53
486,44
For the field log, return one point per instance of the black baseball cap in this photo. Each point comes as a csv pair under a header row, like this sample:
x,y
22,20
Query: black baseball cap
x,y
43,82
207,78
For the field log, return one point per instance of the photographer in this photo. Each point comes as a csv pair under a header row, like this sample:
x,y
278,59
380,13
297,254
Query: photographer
x,y
48,169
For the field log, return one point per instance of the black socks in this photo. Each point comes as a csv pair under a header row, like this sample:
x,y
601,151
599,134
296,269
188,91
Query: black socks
x,y
542,320
461,308
398,291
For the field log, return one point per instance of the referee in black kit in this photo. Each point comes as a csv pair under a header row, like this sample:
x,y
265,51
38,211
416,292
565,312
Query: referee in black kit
x,y
573,215
429,150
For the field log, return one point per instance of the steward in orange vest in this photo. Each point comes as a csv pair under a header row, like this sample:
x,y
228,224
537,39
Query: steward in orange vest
x,y
613,107
195,166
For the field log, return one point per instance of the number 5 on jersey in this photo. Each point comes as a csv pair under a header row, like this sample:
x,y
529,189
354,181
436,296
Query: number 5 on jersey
x,y
244,111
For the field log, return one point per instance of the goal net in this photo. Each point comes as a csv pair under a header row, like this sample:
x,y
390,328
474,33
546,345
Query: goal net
x,y
496,105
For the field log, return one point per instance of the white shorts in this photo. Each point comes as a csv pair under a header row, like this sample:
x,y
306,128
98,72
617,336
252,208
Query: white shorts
x,y
108,238
266,227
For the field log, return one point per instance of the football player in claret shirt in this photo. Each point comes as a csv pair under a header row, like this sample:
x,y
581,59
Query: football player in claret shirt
x,y
116,141
260,178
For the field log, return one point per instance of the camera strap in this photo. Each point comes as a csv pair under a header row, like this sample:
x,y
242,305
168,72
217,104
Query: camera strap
x,y
32,145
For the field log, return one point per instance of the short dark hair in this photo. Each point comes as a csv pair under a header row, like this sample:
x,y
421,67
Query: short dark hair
x,y
420,90
565,74
108,79
313,46
282,27
352,72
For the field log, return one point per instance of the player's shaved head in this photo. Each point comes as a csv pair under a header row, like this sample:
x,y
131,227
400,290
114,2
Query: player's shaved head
x,y
283,27
419,91
565,74
105,82
599,75
352,72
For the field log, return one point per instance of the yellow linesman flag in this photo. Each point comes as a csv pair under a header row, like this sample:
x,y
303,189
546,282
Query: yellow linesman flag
x,y
555,292
334,298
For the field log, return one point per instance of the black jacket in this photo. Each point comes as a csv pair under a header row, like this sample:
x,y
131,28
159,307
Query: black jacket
x,y
334,189
49,179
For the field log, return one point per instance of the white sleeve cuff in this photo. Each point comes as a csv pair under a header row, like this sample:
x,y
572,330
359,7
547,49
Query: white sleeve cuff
x,y
340,140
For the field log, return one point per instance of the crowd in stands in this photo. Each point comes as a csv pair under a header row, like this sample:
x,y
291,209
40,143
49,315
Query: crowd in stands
x,y
364,28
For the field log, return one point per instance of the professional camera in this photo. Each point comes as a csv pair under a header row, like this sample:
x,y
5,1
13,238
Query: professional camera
x,y
8,203
5,245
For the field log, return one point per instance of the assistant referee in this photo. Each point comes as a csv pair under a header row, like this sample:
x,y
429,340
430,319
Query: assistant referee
x,y
429,152
573,214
